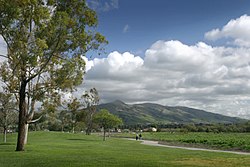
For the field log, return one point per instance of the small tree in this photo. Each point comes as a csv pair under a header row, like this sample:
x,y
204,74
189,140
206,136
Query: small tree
x,y
73,107
106,120
8,116
91,99
64,118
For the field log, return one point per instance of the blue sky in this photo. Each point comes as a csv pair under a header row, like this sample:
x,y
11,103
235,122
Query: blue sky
x,y
152,20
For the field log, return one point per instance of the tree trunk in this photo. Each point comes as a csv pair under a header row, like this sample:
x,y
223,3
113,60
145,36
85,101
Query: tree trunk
x,y
21,134
22,118
90,119
5,135
104,134
87,131
89,127
26,133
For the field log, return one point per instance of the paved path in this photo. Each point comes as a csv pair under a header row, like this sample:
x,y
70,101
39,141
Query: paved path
x,y
155,143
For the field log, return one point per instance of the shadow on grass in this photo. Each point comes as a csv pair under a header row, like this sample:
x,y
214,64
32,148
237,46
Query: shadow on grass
x,y
7,144
76,139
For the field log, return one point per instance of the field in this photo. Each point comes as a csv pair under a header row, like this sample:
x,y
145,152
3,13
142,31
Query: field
x,y
55,149
226,141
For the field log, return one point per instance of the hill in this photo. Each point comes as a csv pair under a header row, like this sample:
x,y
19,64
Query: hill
x,y
155,113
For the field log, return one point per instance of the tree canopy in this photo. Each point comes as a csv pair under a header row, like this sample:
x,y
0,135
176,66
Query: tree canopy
x,y
106,120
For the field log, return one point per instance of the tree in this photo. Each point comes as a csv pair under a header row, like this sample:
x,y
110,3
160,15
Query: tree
x,y
91,99
8,115
80,118
73,107
106,120
64,117
45,40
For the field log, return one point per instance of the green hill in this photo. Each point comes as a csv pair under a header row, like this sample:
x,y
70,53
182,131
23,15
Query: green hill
x,y
155,113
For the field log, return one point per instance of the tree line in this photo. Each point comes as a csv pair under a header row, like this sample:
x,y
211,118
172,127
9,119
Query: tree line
x,y
77,115
243,127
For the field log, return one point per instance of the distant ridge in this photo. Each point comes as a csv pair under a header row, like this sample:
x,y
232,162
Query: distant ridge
x,y
155,113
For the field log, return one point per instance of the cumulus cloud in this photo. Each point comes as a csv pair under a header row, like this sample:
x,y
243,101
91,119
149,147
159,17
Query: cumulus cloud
x,y
172,55
172,73
236,29
116,66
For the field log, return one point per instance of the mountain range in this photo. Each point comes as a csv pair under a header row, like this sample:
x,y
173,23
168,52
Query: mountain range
x,y
147,113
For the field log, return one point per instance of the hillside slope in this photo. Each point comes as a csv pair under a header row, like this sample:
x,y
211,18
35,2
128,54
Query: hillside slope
x,y
155,113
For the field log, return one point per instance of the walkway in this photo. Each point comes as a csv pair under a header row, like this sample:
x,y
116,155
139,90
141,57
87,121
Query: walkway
x,y
155,143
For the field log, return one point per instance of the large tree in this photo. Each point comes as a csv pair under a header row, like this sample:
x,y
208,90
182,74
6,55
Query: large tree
x,y
45,40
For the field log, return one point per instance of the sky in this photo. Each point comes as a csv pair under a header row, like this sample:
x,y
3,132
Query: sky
x,y
134,25
193,53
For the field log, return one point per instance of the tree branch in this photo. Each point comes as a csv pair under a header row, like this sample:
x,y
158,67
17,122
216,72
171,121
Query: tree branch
x,y
45,64
4,56
35,120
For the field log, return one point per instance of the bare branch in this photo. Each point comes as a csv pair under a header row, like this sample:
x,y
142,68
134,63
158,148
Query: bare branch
x,y
4,56
35,120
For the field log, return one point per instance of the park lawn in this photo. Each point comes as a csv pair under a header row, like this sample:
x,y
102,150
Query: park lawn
x,y
56,149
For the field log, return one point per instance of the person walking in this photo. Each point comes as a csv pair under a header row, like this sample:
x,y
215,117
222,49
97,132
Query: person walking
x,y
140,136
136,137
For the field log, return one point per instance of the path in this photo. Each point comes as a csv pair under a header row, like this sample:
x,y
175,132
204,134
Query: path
x,y
155,143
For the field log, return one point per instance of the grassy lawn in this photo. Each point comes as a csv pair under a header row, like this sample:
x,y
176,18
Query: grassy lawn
x,y
52,149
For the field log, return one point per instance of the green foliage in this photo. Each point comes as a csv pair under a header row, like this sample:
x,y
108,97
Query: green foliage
x,y
107,120
8,114
45,42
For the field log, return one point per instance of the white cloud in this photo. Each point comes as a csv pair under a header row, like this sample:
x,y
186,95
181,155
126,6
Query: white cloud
x,y
125,28
213,34
173,73
172,55
236,29
103,6
116,66
88,64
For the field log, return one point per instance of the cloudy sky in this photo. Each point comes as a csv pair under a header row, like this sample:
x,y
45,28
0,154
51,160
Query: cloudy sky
x,y
193,53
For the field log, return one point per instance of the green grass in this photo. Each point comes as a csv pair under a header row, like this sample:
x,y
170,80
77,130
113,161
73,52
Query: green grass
x,y
54,149
227,141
